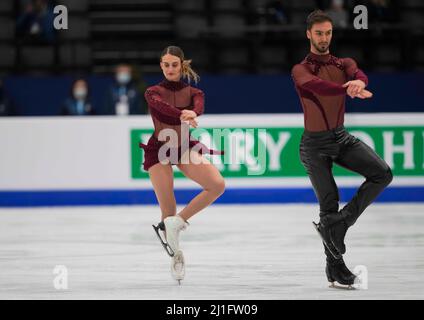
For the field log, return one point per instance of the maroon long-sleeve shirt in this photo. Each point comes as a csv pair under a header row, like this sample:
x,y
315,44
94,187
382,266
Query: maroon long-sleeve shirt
x,y
319,83
166,101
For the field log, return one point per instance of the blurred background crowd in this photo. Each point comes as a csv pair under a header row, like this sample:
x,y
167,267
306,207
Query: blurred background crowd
x,y
103,63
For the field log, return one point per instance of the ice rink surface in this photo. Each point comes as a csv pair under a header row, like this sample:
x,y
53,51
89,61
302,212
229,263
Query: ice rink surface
x,y
232,252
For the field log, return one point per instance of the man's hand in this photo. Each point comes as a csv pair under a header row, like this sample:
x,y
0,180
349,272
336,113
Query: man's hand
x,y
187,115
354,87
364,94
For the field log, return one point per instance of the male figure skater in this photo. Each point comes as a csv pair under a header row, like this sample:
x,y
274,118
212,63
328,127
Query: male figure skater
x,y
322,82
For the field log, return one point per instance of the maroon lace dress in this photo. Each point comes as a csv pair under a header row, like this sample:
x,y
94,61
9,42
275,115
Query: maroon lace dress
x,y
166,102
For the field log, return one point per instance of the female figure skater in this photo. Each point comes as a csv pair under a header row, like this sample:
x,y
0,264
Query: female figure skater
x,y
175,105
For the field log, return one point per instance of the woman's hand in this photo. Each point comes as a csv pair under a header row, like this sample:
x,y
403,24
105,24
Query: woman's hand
x,y
187,115
193,123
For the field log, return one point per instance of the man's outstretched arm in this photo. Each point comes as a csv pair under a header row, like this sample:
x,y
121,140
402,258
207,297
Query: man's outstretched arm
x,y
305,79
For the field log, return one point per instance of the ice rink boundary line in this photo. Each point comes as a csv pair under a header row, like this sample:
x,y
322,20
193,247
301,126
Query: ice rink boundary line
x,y
30,198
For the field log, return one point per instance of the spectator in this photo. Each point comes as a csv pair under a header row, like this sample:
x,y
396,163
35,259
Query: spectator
x,y
382,11
6,106
123,97
323,4
277,12
36,21
141,86
79,102
339,14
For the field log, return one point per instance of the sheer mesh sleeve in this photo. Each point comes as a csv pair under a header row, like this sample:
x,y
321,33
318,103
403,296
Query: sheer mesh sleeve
x,y
353,72
305,79
198,101
160,109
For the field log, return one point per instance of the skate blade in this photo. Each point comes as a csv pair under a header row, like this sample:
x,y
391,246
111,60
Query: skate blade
x,y
330,248
336,285
166,246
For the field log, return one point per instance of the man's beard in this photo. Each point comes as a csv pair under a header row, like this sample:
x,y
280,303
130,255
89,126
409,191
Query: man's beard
x,y
320,49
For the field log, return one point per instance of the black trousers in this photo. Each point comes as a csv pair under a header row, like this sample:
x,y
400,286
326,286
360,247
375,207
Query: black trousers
x,y
318,152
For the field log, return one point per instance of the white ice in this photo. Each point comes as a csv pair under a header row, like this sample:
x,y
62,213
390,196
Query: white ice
x,y
232,252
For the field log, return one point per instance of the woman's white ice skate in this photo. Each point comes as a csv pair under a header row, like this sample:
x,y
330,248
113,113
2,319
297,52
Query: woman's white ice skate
x,y
173,226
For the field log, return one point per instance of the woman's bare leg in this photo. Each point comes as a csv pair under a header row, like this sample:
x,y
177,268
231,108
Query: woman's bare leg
x,y
162,178
200,170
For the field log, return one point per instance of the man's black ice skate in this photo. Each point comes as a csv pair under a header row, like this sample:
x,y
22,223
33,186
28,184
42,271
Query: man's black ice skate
x,y
338,275
158,228
338,233
324,233
347,274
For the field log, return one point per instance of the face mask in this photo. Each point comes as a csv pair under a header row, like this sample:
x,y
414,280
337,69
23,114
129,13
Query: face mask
x,y
80,93
123,78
